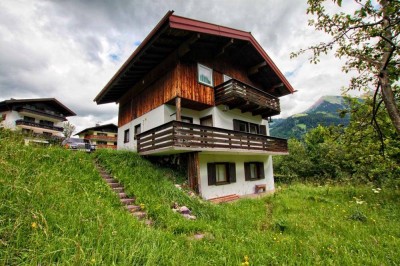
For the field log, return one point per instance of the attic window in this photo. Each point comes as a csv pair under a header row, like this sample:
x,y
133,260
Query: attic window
x,y
205,75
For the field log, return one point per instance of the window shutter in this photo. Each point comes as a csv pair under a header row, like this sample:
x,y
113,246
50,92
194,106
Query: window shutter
x,y
263,130
247,171
261,170
232,173
236,126
211,174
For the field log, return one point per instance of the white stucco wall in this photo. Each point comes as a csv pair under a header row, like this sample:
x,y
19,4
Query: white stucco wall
x,y
222,118
240,187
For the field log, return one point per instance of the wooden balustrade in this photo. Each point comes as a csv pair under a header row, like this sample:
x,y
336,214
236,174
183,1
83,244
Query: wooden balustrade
x,y
195,137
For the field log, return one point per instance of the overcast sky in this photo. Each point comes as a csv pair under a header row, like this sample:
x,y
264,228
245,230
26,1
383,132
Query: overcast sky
x,y
70,49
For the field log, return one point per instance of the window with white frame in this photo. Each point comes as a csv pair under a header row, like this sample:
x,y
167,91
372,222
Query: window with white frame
x,y
204,75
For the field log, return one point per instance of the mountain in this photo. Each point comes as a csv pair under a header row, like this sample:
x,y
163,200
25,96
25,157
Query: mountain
x,y
324,112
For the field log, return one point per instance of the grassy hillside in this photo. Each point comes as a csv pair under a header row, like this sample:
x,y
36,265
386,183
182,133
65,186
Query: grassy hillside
x,y
55,208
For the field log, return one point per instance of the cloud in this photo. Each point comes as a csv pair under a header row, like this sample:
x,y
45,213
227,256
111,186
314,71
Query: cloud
x,y
70,49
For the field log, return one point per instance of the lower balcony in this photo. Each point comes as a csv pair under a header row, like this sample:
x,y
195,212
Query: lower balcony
x,y
22,122
178,137
99,137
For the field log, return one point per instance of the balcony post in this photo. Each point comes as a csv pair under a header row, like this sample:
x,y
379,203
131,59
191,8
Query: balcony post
x,y
178,108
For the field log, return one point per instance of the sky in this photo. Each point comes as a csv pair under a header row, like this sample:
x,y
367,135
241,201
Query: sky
x,y
70,49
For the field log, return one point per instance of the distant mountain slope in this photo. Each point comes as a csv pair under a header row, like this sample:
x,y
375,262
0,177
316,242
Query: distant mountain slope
x,y
322,112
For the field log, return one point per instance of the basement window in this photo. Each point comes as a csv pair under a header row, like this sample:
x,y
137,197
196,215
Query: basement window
x,y
221,173
126,136
254,171
205,75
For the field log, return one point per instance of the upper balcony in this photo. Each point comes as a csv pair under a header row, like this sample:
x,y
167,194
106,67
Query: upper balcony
x,y
178,137
40,113
237,94
30,124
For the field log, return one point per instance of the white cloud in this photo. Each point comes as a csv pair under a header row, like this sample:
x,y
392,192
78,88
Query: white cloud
x,y
70,49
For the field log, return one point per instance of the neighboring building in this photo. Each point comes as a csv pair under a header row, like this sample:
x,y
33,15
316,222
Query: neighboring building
x,y
41,116
104,136
206,92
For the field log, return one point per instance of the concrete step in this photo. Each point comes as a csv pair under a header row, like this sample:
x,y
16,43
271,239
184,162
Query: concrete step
x,y
122,195
118,189
133,208
114,184
139,214
111,180
127,201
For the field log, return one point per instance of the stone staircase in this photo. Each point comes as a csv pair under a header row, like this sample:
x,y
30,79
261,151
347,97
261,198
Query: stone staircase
x,y
128,202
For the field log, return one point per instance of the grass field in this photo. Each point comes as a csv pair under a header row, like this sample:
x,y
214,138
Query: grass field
x,y
55,209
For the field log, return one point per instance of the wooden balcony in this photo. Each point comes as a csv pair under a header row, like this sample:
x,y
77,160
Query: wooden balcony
x,y
22,122
43,113
178,137
104,146
236,94
98,137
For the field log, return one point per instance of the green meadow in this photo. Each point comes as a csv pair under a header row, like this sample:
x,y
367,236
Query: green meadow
x,y
55,209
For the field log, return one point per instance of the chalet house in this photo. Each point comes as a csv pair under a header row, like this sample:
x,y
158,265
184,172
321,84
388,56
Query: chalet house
x,y
41,116
205,92
104,136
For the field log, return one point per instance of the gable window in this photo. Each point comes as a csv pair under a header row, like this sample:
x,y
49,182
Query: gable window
x,y
226,78
248,127
204,75
254,171
126,136
221,173
138,130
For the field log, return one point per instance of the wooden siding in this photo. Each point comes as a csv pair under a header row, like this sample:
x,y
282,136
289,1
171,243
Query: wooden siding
x,y
171,79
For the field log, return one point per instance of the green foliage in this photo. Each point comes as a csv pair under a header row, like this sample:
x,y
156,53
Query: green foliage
x,y
338,153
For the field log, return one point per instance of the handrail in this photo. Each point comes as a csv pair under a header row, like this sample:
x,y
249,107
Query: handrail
x,y
34,124
245,84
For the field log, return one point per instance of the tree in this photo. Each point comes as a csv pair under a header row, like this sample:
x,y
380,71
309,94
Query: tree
x,y
68,129
369,39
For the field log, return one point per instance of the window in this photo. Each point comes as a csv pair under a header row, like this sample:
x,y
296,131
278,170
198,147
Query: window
x,y
226,77
29,119
3,117
138,130
254,171
248,127
126,136
47,123
102,134
99,142
205,75
187,119
221,173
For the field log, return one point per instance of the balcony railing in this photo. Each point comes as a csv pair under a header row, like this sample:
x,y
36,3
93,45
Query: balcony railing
x,y
236,94
98,137
33,110
103,146
34,124
182,136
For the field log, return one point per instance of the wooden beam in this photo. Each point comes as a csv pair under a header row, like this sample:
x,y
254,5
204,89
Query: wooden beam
x,y
193,171
178,109
222,50
254,69
184,48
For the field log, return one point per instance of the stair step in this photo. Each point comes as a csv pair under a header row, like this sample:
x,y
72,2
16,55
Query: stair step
x,y
114,185
118,189
139,215
127,201
111,180
133,208
122,195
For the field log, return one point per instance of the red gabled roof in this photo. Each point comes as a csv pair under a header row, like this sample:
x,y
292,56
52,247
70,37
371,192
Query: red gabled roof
x,y
113,90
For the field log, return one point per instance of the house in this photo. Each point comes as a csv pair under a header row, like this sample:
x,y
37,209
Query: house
x,y
41,116
205,92
104,136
